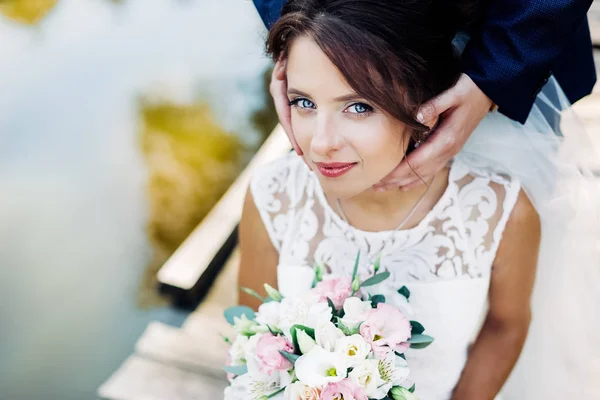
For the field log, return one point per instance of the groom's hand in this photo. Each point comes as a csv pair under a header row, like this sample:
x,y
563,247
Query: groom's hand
x,y
278,89
460,109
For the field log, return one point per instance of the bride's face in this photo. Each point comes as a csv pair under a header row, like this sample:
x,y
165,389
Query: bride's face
x,y
349,143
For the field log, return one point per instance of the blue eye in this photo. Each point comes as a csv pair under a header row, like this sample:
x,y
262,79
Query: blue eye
x,y
302,103
360,108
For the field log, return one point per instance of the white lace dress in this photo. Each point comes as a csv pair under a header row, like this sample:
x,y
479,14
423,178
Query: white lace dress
x,y
445,261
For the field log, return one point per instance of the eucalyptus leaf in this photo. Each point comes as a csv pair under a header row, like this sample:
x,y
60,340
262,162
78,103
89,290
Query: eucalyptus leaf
x,y
236,369
237,311
404,292
420,341
378,298
417,328
375,279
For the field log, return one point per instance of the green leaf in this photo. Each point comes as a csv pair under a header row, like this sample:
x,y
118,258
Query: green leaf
x,y
404,292
332,306
289,356
402,356
294,332
417,328
412,388
420,341
238,311
236,369
276,393
355,270
253,293
378,298
375,279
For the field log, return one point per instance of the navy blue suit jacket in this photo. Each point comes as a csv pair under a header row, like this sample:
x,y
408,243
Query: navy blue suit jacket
x,y
518,45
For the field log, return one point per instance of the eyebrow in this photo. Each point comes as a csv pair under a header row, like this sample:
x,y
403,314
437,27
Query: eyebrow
x,y
346,97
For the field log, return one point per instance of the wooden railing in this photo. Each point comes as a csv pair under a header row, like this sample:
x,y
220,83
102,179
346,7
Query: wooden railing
x,y
189,272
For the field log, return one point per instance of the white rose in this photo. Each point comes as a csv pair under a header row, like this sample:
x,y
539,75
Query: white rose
x,y
327,335
237,352
355,311
366,375
355,348
302,310
319,367
300,391
268,314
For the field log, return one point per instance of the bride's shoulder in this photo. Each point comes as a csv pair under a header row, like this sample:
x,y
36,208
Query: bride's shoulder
x,y
471,176
282,177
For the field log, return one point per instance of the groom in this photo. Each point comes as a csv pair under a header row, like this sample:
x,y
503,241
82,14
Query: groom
x,y
506,62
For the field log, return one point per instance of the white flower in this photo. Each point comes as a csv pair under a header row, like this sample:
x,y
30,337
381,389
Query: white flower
x,y
300,391
268,314
355,348
327,335
305,342
302,310
366,375
237,352
393,369
251,361
238,390
319,367
355,311
244,326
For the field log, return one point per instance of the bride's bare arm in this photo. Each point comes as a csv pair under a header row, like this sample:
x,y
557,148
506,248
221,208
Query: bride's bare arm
x,y
497,348
258,264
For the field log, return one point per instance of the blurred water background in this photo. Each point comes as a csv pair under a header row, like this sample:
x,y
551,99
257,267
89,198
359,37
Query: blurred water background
x,y
121,123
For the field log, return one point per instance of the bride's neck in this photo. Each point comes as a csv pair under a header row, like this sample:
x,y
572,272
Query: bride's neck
x,y
380,211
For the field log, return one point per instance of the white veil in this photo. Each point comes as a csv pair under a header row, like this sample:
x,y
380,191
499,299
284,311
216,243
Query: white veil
x,y
553,156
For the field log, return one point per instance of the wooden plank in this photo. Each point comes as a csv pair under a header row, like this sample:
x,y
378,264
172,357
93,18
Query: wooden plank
x,y
186,265
201,351
143,379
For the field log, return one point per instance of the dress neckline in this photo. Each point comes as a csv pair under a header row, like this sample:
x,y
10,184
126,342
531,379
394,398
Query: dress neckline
x,y
450,189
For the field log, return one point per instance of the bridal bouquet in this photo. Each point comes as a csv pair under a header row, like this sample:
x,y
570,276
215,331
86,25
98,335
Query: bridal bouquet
x,y
336,341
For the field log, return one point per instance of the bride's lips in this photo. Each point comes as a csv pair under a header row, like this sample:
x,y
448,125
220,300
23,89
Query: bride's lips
x,y
333,170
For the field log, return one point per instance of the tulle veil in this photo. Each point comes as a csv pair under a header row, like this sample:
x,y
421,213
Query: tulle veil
x,y
553,156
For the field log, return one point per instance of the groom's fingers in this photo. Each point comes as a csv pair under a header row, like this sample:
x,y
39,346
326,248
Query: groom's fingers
x,y
278,89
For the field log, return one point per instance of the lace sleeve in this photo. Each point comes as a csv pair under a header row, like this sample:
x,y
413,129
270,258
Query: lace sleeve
x,y
486,200
272,194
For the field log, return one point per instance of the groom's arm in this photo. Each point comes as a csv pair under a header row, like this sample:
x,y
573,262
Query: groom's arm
x,y
511,58
269,10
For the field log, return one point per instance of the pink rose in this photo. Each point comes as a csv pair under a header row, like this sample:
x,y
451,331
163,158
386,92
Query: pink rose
x,y
386,329
337,289
268,355
344,389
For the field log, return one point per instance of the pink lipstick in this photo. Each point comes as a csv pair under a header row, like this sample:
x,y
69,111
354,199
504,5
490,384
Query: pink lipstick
x,y
335,169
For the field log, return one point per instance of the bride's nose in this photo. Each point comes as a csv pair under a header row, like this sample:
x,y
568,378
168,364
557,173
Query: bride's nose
x,y
326,139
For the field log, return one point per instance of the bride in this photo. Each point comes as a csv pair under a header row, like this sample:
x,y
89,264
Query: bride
x,y
466,244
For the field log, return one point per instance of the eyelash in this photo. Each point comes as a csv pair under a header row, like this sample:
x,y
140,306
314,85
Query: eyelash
x,y
368,108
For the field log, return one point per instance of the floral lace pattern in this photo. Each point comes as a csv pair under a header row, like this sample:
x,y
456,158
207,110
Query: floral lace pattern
x,y
457,239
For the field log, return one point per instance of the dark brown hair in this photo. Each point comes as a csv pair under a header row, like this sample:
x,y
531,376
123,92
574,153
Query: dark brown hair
x,y
395,53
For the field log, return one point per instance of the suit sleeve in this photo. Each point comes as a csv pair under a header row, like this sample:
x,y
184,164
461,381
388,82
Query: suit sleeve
x,y
511,56
269,10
